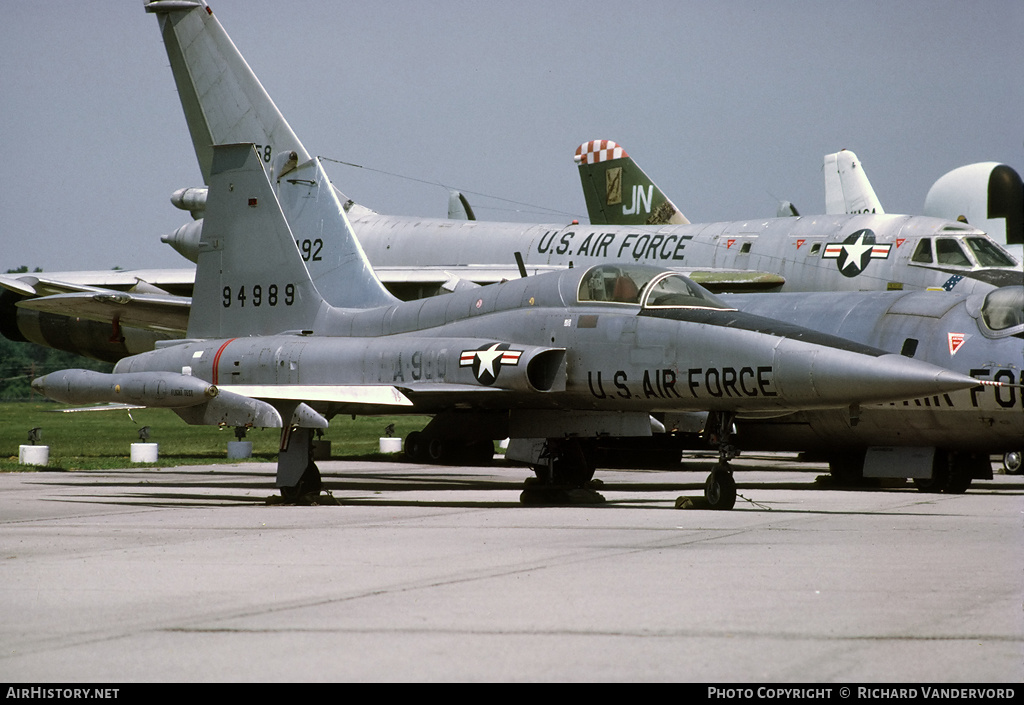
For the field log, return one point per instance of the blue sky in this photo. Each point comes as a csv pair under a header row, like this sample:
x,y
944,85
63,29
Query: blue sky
x,y
728,106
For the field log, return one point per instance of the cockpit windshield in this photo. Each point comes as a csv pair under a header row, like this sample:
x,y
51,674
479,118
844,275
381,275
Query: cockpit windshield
x,y
619,284
950,252
642,284
675,290
988,253
1003,310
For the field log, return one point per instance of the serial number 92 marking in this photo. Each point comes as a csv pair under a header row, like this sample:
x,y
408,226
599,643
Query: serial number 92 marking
x,y
256,296
310,249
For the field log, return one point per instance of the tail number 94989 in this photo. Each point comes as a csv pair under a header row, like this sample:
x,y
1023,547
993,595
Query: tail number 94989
x,y
257,295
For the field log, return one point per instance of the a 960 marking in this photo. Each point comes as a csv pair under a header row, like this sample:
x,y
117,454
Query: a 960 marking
x,y
257,296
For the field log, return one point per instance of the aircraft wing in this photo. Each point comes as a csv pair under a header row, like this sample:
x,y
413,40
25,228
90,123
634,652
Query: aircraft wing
x,y
157,312
714,280
382,394
148,280
477,273
372,394
736,281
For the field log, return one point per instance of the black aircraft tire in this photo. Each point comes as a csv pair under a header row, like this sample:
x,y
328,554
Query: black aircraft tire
x,y
927,484
957,483
438,450
415,447
952,473
720,490
542,495
847,468
307,489
963,468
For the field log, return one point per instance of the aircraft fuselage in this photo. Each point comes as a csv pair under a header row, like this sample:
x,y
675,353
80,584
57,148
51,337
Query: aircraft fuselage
x,y
530,344
811,253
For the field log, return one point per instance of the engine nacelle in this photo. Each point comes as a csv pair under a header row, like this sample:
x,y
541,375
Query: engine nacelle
x,y
185,240
99,341
190,199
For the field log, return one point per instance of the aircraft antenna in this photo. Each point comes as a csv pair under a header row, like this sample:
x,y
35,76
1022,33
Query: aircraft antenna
x,y
542,209
520,264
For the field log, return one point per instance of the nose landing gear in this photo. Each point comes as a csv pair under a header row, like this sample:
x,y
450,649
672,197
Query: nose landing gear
x,y
720,487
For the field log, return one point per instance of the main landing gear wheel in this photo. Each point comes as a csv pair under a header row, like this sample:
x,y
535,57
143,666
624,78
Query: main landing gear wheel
x,y
423,447
416,447
720,488
564,479
307,492
952,472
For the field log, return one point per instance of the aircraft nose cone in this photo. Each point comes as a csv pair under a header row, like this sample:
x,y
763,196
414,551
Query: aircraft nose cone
x,y
911,378
898,378
831,376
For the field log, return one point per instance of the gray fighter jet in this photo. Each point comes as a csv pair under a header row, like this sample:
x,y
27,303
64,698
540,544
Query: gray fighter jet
x,y
564,357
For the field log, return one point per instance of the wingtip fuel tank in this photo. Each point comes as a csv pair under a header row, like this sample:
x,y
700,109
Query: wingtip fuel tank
x,y
158,389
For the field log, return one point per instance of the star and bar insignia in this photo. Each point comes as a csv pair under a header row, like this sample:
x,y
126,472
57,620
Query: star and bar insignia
x,y
855,252
488,360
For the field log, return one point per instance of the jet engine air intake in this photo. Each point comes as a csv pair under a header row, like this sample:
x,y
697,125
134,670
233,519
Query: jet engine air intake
x,y
546,369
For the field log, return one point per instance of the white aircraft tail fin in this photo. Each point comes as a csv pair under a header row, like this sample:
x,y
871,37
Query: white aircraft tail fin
x,y
847,189
250,276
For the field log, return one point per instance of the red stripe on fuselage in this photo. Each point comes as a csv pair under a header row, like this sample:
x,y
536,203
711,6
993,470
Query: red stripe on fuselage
x,y
216,359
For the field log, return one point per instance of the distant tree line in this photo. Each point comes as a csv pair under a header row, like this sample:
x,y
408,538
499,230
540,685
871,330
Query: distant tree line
x,y
20,363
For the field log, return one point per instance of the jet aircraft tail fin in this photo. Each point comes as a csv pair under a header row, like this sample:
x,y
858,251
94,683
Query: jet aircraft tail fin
x,y
223,101
617,191
250,275
847,189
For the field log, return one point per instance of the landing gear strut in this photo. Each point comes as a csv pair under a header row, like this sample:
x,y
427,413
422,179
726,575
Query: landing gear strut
x,y
565,470
298,477
720,487
307,491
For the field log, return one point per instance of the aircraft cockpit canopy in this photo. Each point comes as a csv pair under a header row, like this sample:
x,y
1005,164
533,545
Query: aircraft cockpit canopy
x,y
645,285
973,251
1003,311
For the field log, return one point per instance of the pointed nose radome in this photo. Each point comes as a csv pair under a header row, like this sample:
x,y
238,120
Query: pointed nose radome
x,y
839,376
